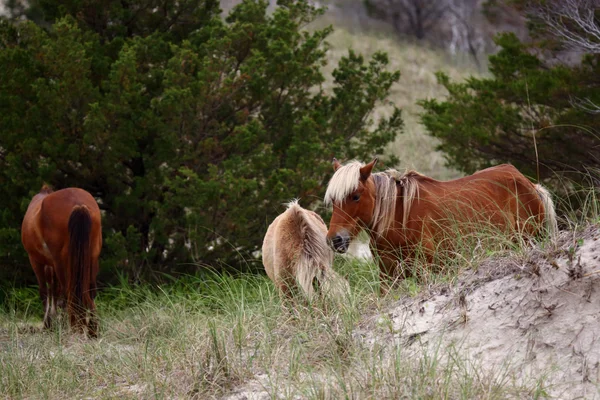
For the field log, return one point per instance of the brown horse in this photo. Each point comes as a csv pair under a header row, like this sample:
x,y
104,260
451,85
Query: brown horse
x,y
410,214
295,252
62,234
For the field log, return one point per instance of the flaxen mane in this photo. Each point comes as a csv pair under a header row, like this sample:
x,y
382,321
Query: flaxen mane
x,y
408,181
345,181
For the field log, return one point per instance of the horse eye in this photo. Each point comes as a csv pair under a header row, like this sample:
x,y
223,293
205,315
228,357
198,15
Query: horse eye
x,y
356,197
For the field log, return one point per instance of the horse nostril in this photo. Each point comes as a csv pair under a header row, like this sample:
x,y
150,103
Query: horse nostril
x,y
338,243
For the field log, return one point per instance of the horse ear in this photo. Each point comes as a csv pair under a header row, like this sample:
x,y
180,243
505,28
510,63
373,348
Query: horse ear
x,y
46,188
336,164
365,171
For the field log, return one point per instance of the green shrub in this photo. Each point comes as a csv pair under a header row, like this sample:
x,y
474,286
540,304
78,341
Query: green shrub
x,y
190,130
530,113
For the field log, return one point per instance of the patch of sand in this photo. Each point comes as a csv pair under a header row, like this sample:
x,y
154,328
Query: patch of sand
x,y
534,318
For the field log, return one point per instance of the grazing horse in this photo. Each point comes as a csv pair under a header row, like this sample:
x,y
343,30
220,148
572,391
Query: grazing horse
x,y
295,252
411,214
62,235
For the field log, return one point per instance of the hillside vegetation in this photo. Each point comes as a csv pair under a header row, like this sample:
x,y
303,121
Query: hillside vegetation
x,y
192,135
190,129
418,64
208,145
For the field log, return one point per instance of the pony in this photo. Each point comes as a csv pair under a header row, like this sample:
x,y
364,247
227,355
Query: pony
x,y
409,214
62,235
295,253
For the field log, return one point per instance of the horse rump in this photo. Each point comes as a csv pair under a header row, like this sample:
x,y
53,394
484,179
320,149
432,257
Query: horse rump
x,y
295,254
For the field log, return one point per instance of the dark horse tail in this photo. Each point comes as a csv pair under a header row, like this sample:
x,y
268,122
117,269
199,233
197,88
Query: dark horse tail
x,y
80,260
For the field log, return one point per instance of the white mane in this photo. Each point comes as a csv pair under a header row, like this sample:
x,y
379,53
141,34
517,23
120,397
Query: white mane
x,y
343,182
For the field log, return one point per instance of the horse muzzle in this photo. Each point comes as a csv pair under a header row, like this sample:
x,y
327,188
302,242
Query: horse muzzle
x,y
340,243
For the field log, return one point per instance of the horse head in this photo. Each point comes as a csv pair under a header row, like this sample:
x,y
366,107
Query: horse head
x,y
351,191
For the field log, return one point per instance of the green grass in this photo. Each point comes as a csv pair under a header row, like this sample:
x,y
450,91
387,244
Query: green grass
x,y
201,337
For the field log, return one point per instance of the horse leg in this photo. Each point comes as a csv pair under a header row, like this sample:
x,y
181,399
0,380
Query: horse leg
x,y
285,289
38,269
76,316
93,321
60,290
52,283
76,313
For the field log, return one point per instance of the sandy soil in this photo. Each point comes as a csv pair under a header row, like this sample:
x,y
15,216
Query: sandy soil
x,y
535,317
532,318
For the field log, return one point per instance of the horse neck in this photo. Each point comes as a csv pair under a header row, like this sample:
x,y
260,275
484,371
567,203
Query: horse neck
x,y
386,195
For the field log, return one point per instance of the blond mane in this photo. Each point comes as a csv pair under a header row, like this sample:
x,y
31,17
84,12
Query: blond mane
x,y
409,182
386,194
343,182
346,179
385,202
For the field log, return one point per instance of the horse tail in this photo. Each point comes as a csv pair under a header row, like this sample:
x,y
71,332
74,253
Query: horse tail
x,y
333,285
311,250
80,262
549,210
315,258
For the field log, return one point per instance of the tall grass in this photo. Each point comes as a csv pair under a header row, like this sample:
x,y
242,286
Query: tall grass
x,y
213,335
203,337
579,204
208,336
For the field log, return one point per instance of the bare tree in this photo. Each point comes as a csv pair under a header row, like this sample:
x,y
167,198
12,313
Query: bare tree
x,y
575,23
412,17
458,25
466,36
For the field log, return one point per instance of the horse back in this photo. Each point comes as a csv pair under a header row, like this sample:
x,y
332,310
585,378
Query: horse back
x,y
505,188
499,195
45,228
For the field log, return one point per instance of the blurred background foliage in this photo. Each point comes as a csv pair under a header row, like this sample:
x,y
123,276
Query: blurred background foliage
x,y
192,122
190,129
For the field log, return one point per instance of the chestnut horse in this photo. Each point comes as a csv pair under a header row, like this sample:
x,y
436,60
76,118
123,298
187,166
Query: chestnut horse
x,y
411,214
62,235
295,252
